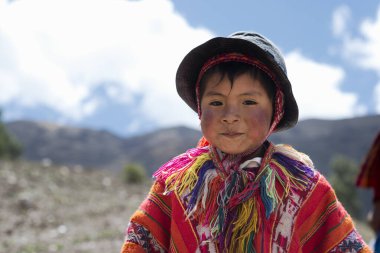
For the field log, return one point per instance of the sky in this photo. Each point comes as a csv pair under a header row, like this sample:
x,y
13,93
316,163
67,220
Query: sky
x,y
111,64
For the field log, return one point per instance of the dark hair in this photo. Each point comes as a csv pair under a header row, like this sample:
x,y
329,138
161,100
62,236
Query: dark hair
x,y
235,69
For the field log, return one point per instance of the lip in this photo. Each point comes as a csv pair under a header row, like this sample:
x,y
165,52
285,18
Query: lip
x,y
232,134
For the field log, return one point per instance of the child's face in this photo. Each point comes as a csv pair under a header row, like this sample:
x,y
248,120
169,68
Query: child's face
x,y
235,119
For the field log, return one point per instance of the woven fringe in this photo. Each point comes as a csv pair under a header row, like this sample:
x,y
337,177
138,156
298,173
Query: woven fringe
x,y
179,163
233,207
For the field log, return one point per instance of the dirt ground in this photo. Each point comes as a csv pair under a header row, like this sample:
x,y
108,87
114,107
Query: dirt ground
x,y
46,208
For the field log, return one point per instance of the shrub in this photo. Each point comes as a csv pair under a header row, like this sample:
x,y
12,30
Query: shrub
x,y
134,173
342,177
9,148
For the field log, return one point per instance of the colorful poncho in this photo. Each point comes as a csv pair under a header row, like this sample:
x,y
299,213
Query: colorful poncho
x,y
284,205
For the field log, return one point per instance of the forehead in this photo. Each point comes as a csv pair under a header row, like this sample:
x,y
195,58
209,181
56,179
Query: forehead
x,y
243,82
232,70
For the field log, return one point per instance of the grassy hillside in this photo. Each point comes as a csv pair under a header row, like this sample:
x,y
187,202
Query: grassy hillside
x,y
59,209
47,208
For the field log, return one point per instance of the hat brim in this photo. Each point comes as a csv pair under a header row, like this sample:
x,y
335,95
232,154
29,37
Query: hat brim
x,y
192,63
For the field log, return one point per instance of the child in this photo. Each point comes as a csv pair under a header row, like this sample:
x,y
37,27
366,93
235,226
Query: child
x,y
237,192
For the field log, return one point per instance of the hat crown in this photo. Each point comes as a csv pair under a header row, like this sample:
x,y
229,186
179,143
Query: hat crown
x,y
265,44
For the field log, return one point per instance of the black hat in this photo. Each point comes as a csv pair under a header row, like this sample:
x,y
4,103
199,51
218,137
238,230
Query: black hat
x,y
249,44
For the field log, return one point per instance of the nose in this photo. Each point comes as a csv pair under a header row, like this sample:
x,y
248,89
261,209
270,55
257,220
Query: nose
x,y
230,114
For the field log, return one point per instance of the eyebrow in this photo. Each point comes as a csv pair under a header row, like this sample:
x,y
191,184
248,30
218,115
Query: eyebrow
x,y
251,93
214,93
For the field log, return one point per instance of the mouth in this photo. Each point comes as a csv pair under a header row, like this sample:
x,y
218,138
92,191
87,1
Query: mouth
x,y
232,134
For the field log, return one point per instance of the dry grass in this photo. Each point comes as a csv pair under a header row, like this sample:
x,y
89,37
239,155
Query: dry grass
x,y
61,209
47,208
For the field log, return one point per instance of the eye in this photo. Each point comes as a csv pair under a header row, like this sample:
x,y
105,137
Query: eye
x,y
249,102
215,103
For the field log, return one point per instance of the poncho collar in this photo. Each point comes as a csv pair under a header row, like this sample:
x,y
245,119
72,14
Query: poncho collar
x,y
227,163
234,203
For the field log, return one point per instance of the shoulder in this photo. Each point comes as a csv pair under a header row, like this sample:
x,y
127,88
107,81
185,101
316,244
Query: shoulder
x,y
293,163
292,153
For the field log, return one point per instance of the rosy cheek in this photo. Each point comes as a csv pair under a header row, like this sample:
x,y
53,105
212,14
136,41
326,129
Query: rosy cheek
x,y
207,119
259,117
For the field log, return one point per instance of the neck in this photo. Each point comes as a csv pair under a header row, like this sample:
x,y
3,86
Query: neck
x,y
227,162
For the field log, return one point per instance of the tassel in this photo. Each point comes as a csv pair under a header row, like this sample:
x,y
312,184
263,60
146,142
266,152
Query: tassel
x,y
212,197
185,179
234,203
245,226
195,197
267,196
178,163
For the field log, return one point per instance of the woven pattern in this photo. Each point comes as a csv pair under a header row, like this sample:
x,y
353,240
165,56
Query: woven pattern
x,y
292,208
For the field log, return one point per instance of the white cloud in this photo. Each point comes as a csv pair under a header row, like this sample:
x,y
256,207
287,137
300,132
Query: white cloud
x,y
316,87
377,97
363,50
340,18
57,51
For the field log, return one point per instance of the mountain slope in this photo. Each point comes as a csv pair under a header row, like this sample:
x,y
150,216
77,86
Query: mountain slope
x,y
99,149
67,145
321,139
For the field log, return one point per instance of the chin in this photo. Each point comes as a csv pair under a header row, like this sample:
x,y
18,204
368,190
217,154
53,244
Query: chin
x,y
237,150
